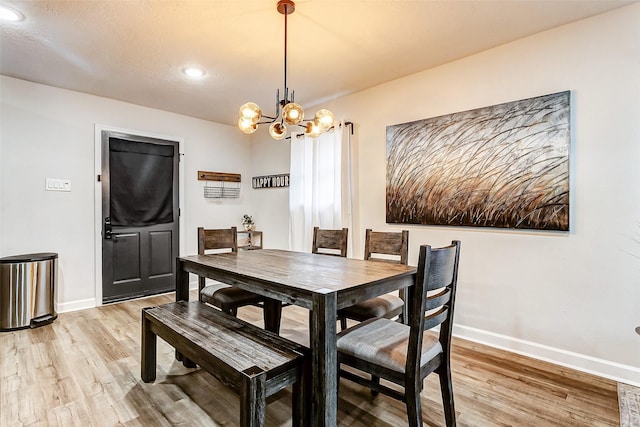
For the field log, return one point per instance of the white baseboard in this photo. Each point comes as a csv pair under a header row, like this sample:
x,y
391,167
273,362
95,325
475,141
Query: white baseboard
x,y
580,362
66,307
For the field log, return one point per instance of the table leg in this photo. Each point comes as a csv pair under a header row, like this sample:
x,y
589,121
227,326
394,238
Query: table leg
x,y
148,351
324,360
182,294
182,282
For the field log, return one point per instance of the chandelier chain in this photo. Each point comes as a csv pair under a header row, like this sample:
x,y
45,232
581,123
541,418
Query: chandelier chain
x,y
287,111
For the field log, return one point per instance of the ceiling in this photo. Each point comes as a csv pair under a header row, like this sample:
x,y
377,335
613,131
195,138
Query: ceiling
x,y
135,51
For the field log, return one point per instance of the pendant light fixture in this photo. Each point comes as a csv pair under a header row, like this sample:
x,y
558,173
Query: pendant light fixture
x,y
288,113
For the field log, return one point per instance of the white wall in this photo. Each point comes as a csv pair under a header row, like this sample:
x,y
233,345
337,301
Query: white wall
x,y
574,298
270,206
49,132
577,292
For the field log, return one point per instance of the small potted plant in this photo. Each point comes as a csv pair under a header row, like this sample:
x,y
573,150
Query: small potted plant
x,y
247,222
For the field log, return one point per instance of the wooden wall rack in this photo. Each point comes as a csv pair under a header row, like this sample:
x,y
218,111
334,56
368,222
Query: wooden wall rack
x,y
218,176
220,191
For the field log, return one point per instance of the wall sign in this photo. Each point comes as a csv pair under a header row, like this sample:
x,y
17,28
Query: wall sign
x,y
270,181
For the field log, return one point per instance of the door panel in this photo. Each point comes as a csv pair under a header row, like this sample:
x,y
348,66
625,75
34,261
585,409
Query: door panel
x,y
140,209
126,256
160,249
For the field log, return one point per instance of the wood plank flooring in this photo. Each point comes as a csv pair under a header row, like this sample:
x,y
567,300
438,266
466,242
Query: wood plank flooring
x,y
84,370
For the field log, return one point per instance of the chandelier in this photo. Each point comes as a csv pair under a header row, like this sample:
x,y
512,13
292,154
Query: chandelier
x,y
287,111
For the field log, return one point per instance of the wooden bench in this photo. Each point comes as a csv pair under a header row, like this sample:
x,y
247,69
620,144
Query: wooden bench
x,y
253,362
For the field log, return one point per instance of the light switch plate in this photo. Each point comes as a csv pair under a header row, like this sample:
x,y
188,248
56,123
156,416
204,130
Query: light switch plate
x,y
56,184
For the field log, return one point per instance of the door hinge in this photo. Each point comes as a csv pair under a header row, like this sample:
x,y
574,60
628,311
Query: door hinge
x,y
99,178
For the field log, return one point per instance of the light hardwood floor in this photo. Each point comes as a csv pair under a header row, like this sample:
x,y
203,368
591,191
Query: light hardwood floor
x,y
84,370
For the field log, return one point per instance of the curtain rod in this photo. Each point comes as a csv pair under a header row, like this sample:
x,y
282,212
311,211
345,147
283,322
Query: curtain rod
x,y
300,135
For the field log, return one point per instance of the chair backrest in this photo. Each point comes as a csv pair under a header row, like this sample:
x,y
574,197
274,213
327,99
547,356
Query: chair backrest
x,y
433,301
218,239
330,242
386,243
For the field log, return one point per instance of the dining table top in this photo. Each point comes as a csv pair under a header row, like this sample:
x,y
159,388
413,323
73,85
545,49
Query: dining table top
x,y
301,274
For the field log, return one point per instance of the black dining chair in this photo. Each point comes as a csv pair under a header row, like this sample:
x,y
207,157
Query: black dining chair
x,y
229,298
384,247
406,354
330,242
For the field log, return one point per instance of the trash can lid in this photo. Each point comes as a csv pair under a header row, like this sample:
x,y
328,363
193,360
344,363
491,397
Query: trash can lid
x,y
41,256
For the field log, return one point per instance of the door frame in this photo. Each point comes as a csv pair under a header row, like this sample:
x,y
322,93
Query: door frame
x,y
98,195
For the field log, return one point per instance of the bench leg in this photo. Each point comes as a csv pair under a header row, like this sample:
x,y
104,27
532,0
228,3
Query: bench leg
x,y
253,399
300,405
148,351
187,363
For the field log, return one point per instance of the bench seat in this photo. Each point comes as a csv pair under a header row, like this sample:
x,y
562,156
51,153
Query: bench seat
x,y
251,361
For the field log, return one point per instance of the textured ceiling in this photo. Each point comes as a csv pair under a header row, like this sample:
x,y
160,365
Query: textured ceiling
x,y
134,51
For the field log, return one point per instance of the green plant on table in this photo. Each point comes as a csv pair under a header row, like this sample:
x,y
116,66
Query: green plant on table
x,y
247,222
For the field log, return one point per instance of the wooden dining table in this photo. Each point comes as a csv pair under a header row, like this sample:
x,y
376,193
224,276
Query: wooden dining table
x,y
321,283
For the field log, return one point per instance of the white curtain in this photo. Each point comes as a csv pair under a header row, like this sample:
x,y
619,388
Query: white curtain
x,y
320,186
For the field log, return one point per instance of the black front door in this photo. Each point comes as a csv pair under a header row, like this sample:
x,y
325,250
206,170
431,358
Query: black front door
x,y
140,206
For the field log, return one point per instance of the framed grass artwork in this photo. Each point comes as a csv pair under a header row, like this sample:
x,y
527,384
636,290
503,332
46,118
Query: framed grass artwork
x,y
503,166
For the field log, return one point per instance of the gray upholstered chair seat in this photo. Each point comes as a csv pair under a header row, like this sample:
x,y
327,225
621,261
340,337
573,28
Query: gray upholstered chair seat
x,y
385,343
219,294
380,306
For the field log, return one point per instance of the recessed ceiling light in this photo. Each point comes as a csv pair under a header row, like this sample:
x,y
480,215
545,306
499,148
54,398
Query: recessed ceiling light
x,y
8,14
194,72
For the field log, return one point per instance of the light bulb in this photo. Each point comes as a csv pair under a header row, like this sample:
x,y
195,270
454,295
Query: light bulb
x,y
312,130
292,113
246,126
8,14
251,112
277,130
194,72
324,119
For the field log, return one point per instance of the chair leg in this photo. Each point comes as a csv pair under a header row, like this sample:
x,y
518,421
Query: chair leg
x,y
272,315
201,284
310,322
414,406
403,316
376,380
343,323
229,309
446,389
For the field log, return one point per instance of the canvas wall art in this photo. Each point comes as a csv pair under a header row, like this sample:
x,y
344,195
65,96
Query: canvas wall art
x,y
504,166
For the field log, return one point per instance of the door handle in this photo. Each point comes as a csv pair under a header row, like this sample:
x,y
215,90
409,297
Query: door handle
x,y
107,228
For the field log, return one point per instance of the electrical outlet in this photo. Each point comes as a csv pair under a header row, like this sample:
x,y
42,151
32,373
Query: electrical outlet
x,y
55,184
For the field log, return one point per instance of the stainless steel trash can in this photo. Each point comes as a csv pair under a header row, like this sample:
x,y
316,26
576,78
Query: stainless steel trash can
x,y
27,290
